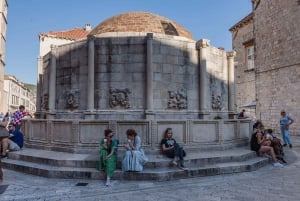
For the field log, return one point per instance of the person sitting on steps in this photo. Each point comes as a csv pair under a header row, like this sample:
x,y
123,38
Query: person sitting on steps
x,y
262,145
171,149
12,143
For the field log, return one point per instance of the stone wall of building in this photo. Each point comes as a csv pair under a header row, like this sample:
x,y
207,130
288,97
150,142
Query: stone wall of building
x,y
277,39
3,25
244,77
82,136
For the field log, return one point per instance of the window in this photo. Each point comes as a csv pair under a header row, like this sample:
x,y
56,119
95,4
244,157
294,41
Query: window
x,y
169,28
249,54
250,57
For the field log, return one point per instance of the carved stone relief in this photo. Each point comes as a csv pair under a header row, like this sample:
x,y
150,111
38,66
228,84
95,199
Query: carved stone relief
x,y
44,102
119,97
72,99
216,102
177,99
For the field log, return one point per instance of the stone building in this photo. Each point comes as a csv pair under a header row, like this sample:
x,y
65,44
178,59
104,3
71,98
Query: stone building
x,y
131,74
17,94
267,69
61,37
3,24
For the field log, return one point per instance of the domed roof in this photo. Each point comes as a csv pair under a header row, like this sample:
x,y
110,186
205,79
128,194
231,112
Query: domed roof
x,y
141,22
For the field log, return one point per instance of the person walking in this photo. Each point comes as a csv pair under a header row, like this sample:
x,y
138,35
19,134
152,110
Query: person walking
x,y
285,122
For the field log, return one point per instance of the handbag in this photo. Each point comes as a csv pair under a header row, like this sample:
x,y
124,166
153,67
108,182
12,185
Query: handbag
x,y
3,132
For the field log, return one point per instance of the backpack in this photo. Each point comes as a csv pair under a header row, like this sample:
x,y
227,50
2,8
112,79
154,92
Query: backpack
x,y
253,143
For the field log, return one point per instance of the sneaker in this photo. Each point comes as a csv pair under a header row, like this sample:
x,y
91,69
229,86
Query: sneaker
x,y
283,160
174,162
284,145
108,184
183,167
291,145
277,164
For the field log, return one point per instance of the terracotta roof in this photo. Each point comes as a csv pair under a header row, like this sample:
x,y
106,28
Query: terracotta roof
x,y
73,34
243,21
141,22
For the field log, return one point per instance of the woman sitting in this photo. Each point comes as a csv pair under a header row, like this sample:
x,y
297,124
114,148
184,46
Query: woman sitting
x,y
134,157
261,145
171,149
108,154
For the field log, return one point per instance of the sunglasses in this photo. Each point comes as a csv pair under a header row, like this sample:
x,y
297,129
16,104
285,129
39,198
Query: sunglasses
x,y
110,136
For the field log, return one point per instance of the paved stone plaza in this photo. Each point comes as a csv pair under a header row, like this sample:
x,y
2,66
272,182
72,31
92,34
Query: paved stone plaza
x,y
267,183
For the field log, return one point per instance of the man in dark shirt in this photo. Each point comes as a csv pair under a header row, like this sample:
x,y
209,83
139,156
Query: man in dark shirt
x,y
12,143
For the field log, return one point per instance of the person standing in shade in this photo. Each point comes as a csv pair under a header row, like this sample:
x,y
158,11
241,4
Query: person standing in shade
x,y
108,155
134,156
19,115
285,122
171,149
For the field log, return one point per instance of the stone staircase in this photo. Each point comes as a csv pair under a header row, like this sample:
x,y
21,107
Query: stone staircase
x,y
54,164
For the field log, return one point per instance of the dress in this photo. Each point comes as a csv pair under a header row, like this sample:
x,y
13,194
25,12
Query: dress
x,y
134,160
108,165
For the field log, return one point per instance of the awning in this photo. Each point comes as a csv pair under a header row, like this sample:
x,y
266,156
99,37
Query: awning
x,y
251,105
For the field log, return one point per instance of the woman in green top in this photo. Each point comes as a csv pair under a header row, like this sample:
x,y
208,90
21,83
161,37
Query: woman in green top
x,y
108,154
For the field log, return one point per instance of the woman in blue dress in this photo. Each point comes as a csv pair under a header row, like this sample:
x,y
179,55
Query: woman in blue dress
x,y
134,157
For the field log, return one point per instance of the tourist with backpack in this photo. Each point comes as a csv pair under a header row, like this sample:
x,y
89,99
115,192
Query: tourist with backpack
x,y
261,145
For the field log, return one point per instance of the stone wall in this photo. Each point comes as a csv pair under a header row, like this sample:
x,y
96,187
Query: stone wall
x,y
121,79
244,77
82,136
277,35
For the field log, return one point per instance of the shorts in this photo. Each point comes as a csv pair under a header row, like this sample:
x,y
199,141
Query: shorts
x,y
13,146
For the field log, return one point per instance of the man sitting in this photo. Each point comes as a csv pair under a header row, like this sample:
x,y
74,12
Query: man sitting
x,y
12,143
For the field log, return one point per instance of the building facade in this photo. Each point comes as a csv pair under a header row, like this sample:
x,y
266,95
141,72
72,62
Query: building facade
x,y
17,94
267,69
3,25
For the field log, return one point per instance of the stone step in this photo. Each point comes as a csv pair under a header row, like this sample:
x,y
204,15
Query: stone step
x,y
63,159
54,164
158,174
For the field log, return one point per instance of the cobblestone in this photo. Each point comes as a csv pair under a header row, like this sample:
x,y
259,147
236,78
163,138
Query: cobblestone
x,y
267,183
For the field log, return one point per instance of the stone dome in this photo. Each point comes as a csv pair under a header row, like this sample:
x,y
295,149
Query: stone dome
x,y
141,22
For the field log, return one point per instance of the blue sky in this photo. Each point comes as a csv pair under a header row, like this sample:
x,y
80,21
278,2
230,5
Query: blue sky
x,y
210,19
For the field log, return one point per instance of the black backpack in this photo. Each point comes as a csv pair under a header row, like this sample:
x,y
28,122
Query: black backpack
x,y
253,143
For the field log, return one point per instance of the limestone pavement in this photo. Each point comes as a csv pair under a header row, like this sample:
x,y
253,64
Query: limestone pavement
x,y
267,183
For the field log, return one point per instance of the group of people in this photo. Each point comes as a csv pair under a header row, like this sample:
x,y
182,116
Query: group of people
x,y
14,139
264,142
134,157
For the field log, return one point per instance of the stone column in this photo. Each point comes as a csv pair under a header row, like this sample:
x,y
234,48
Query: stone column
x,y
52,82
149,78
231,84
91,73
202,46
39,86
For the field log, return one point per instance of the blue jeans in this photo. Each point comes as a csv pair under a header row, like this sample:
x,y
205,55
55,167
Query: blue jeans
x,y
285,135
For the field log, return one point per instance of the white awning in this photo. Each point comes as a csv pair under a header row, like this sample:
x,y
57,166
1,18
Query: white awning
x,y
251,105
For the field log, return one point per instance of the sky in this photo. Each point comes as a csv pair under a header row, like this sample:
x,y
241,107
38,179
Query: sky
x,y
209,19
